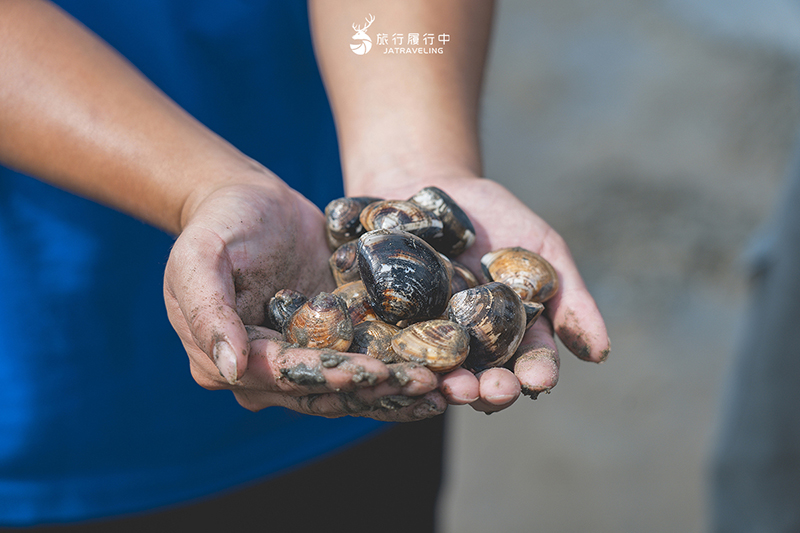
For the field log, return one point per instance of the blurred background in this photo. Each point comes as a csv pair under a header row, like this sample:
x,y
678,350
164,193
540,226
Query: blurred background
x,y
653,136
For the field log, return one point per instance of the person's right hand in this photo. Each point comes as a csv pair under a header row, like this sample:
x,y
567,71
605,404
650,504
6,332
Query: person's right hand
x,y
240,244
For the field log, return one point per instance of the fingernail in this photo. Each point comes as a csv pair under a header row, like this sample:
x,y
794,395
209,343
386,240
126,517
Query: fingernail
x,y
465,399
225,359
500,399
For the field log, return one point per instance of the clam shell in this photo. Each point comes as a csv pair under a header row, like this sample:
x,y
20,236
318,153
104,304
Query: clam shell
x,y
322,322
374,338
528,273
458,233
463,278
533,310
356,299
342,222
283,305
401,215
404,276
344,263
495,318
440,345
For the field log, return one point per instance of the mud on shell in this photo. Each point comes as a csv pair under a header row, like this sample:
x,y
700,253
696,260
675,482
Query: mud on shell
x,y
374,338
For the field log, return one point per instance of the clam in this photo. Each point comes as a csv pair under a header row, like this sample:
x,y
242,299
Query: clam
x,y
528,273
495,318
283,305
458,233
401,215
341,219
463,278
321,322
404,276
344,263
440,345
374,338
533,310
356,299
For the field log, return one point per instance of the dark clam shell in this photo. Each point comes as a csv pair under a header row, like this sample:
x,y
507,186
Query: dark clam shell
x,y
342,222
495,318
283,305
344,263
321,322
528,273
463,278
458,233
533,310
404,276
402,215
374,338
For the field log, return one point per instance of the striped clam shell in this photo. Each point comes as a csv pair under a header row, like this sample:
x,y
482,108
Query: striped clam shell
x,y
495,318
440,345
321,322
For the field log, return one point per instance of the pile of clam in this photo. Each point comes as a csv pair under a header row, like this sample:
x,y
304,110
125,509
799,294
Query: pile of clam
x,y
401,296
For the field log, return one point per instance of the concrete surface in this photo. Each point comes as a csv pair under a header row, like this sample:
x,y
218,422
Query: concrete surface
x,y
652,136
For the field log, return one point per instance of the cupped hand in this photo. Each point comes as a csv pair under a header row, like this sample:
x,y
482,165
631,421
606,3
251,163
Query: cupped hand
x,y
502,220
240,244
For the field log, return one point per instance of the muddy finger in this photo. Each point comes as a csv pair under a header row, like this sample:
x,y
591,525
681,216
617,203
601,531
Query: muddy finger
x,y
390,408
536,363
413,379
281,367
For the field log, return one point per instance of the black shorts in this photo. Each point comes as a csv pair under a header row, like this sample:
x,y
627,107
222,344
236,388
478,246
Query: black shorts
x,y
387,483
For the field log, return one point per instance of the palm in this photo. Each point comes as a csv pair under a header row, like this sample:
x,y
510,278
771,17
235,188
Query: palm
x,y
258,244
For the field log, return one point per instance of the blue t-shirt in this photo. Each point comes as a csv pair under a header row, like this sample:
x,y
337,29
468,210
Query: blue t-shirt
x,y
99,414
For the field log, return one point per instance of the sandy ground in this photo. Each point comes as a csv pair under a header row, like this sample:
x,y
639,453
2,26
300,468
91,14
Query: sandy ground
x,y
653,137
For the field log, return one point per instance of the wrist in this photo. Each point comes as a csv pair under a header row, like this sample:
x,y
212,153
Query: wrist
x,y
401,176
243,173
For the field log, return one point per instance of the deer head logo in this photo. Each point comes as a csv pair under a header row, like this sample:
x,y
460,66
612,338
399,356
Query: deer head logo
x,y
365,45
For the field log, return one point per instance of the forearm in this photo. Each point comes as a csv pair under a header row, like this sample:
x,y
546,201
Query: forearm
x,y
403,116
76,114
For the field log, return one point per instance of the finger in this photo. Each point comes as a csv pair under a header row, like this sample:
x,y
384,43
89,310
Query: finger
x,y
536,362
389,408
412,378
459,387
499,389
573,311
277,366
198,280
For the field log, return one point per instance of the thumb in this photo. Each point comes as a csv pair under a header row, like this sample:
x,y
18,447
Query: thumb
x,y
201,302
